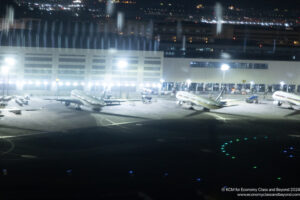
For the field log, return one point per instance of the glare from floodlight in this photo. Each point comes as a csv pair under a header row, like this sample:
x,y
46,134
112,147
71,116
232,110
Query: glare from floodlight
x,y
82,83
10,61
5,70
29,82
45,83
37,83
118,84
60,83
126,84
162,80
225,67
282,83
75,84
122,64
147,85
141,85
67,83
159,85
53,83
252,82
188,81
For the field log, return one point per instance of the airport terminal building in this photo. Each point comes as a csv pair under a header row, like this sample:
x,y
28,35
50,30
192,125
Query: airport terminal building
x,y
59,70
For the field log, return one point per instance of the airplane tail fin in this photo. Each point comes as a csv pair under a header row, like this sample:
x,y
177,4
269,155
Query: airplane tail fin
x,y
221,94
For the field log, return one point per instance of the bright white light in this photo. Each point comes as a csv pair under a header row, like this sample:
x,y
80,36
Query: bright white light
x,y
10,61
122,64
24,82
67,83
147,85
61,83
126,84
53,83
153,85
118,84
111,84
45,83
75,84
188,81
37,83
141,85
159,85
112,50
11,82
5,70
82,83
29,82
225,67
162,80
103,84
282,83
252,82
132,85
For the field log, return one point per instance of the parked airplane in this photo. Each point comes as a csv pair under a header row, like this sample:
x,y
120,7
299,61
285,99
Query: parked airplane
x,y
193,101
81,99
292,100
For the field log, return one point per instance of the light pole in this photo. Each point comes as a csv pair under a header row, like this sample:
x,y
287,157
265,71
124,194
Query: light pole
x,y
188,82
122,64
282,84
224,68
10,62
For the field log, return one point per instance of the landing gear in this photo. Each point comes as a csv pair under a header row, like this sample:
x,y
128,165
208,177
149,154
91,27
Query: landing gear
x,y
279,103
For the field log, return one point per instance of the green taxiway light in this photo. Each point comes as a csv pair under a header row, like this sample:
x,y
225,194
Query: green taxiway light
x,y
237,140
245,138
254,138
254,167
225,143
227,154
233,157
230,141
223,151
279,178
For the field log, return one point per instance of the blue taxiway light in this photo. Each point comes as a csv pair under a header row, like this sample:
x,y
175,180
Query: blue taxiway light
x,y
130,171
198,179
291,148
285,151
291,156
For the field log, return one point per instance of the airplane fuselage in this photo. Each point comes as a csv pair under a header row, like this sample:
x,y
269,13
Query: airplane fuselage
x,y
89,101
186,97
284,97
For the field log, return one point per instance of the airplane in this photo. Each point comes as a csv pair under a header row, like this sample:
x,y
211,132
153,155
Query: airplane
x,y
81,99
292,100
192,101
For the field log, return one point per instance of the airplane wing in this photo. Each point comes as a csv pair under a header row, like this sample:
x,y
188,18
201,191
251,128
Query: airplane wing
x,y
67,101
118,101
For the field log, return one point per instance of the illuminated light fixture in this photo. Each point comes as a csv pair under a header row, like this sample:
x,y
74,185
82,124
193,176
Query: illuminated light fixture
x,y
147,85
112,50
103,84
282,83
24,82
159,85
61,83
251,82
53,83
188,81
162,80
5,70
132,84
153,85
122,64
45,83
141,85
82,83
225,67
29,82
37,83
67,83
75,84
90,84
126,84
10,61
118,84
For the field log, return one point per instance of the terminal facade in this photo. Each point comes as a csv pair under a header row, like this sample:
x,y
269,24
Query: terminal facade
x,y
52,71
